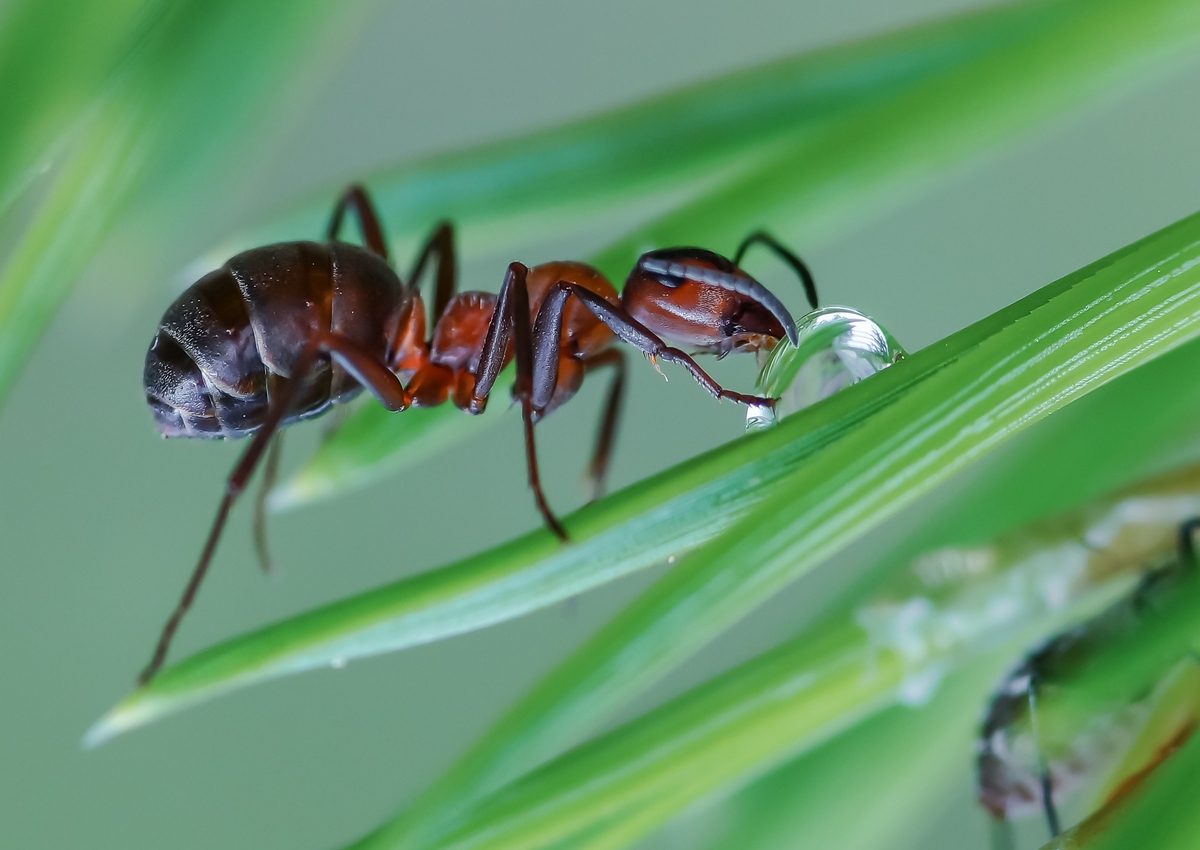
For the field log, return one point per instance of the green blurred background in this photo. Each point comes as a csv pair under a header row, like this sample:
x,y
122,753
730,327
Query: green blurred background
x,y
101,521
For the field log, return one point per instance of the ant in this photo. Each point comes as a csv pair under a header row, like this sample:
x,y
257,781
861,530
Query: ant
x,y
1024,767
282,332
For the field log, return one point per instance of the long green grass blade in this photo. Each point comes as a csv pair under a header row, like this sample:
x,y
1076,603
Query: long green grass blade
x,y
1155,809
1135,302
1096,325
877,785
51,68
157,115
530,189
868,153
893,648
873,787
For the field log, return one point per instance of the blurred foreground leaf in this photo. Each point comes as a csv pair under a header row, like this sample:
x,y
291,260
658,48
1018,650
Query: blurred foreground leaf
x,y
158,89
820,140
824,476
894,648
1155,809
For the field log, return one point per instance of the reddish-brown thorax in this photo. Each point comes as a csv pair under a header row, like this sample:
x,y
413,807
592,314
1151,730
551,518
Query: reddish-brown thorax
x,y
446,369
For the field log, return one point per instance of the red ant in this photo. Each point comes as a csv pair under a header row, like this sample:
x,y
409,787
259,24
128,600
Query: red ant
x,y
280,333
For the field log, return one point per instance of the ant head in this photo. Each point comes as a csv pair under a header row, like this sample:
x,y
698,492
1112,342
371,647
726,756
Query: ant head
x,y
702,299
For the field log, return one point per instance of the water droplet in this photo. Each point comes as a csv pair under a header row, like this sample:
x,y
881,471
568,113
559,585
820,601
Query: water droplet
x,y
838,347
670,559
337,663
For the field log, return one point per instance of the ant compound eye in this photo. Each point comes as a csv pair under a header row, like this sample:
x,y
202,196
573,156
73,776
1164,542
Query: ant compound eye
x,y
836,347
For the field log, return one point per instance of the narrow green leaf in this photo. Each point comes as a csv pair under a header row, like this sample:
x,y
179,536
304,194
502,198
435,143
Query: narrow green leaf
x,y
1099,323
52,66
162,109
878,785
1156,809
895,647
685,506
524,190
1047,59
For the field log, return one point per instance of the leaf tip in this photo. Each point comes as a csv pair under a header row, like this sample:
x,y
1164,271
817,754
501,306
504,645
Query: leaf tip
x,y
129,713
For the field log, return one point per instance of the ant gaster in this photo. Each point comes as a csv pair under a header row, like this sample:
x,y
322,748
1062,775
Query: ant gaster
x,y
280,333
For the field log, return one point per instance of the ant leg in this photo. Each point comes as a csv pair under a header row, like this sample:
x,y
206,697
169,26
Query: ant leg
x,y
1001,833
510,320
597,471
356,197
549,324
761,237
366,369
1187,542
1043,768
270,474
441,245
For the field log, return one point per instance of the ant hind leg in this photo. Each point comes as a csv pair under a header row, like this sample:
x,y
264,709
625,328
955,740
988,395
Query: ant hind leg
x,y
366,369
270,474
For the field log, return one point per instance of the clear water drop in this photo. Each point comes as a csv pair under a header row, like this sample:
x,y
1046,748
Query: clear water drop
x,y
839,346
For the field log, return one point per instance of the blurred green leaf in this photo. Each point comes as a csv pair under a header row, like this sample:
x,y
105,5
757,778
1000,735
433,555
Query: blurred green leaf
x,y
834,153
1062,342
893,648
1156,809
161,89
946,404
876,785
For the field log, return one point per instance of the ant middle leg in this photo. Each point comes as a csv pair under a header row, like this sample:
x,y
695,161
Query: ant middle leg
x,y
365,368
510,321
356,198
761,237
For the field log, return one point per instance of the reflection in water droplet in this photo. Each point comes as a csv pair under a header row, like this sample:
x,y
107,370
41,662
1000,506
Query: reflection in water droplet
x,y
337,663
838,347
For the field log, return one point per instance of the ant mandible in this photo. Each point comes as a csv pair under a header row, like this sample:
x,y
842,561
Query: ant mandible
x,y
280,333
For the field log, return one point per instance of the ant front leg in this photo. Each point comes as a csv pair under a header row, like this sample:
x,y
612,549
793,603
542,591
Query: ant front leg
x,y
510,321
761,237
356,197
367,370
549,326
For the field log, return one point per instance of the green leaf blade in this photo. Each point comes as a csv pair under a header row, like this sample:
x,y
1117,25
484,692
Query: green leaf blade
x,y
830,169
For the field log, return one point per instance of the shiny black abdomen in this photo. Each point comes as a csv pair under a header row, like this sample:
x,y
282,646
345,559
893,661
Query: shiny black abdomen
x,y
238,330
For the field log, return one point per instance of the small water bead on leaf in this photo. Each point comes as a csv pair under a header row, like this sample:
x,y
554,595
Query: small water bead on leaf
x,y
838,346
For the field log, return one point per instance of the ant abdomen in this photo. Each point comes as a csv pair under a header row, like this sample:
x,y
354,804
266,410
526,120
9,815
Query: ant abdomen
x,y
239,330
